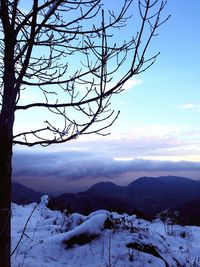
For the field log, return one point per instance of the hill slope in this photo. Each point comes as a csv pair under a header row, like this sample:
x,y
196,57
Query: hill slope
x,y
22,194
148,194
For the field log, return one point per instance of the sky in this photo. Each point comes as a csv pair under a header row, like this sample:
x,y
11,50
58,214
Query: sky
x,y
157,132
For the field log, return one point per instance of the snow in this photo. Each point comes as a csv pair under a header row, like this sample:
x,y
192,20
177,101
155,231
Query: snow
x,y
103,238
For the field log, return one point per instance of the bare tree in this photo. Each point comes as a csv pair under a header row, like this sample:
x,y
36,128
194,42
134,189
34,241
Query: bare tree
x,y
66,54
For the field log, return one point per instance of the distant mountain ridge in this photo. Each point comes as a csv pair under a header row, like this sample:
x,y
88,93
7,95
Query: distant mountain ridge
x,y
146,195
104,186
23,195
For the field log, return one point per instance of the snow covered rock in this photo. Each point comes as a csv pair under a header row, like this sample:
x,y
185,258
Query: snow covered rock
x,y
75,220
44,201
87,231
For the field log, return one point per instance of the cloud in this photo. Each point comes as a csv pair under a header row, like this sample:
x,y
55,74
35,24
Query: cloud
x,y
190,106
58,172
124,159
131,83
168,143
128,85
120,157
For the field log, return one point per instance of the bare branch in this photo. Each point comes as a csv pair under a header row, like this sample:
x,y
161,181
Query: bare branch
x,y
68,55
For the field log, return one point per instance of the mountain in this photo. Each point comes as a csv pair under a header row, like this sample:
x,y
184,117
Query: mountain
x,y
24,195
152,195
148,195
104,187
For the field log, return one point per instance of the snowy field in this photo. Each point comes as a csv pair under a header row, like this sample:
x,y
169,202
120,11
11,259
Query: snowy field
x,y
102,239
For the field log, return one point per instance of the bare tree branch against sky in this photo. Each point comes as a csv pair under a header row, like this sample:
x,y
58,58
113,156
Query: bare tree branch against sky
x,y
66,53
82,67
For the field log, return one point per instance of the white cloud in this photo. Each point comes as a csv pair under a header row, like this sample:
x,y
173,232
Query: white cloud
x,y
131,83
128,85
123,158
153,142
188,106
195,107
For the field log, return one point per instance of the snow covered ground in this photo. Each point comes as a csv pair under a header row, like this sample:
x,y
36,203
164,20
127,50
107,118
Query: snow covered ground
x,y
102,239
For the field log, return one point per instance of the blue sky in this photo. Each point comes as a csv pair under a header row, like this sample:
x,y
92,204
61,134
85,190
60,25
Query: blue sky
x,y
159,121
168,95
172,82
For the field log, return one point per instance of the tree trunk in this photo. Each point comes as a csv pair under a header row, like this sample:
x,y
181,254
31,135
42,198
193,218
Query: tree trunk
x,y
6,142
5,192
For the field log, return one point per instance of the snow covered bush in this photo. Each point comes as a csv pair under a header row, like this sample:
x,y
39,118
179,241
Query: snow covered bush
x,y
169,218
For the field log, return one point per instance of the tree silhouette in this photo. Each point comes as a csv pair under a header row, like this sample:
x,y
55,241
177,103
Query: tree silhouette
x,y
67,54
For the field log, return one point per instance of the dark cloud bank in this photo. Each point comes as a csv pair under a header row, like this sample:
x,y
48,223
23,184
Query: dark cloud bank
x,y
58,172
